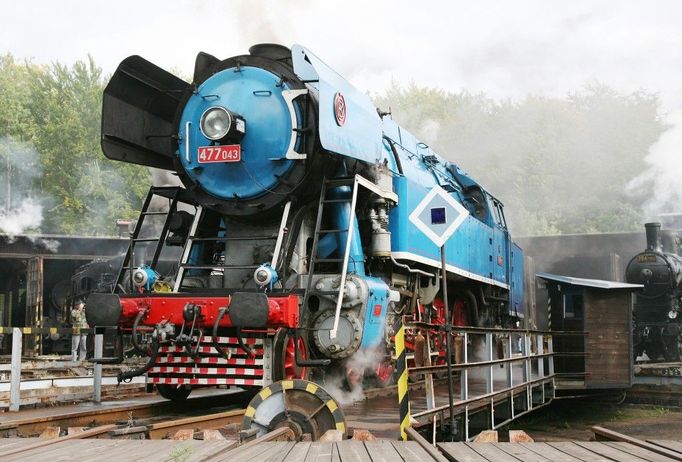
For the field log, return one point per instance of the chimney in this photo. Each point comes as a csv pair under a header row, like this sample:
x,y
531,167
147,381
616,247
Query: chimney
x,y
653,239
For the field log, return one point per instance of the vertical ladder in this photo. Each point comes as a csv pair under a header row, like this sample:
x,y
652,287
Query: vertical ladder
x,y
189,242
171,193
192,238
328,184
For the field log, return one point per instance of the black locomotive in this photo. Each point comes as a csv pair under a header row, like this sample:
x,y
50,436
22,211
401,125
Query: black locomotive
x,y
657,317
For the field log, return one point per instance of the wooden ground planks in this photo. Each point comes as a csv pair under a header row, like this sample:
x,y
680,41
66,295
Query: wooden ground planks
x,y
550,452
522,452
410,451
98,450
492,451
13,443
641,452
460,452
671,445
612,452
609,452
345,451
576,451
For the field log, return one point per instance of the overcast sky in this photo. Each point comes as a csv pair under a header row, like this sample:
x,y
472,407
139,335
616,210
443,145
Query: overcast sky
x,y
503,48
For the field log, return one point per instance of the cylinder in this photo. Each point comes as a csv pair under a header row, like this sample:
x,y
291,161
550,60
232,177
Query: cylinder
x,y
653,240
381,244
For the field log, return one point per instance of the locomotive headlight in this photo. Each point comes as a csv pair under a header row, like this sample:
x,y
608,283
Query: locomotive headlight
x,y
265,275
262,276
215,123
672,314
140,277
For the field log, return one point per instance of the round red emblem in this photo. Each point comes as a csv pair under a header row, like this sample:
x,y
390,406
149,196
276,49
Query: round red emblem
x,y
339,109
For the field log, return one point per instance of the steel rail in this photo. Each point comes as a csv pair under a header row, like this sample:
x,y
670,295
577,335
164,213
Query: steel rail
x,y
208,421
102,415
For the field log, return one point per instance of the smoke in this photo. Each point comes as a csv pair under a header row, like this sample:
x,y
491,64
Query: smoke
x,y
429,130
559,165
164,177
102,191
662,176
21,211
256,27
341,394
50,245
159,204
358,364
28,215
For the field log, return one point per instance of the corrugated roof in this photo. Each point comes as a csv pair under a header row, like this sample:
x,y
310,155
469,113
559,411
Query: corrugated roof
x,y
596,283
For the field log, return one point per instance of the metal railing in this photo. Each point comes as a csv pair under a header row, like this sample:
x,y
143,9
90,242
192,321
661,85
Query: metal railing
x,y
17,348
525,358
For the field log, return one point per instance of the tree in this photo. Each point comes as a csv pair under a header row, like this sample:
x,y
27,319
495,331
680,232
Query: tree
x,y
19,163
55,111
560,165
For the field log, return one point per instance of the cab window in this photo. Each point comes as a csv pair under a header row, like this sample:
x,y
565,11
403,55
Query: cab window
x,y
498,212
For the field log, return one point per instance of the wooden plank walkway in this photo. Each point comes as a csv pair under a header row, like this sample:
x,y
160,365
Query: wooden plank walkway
x,y
96,450
564,451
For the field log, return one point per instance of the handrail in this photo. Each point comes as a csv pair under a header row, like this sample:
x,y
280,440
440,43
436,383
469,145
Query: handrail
x,y
494,330
460,403
536,386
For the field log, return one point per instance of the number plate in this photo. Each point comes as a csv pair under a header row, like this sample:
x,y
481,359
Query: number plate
x,y
646,258
228,153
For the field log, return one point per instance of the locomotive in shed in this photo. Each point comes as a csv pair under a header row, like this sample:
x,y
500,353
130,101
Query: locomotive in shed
x,y
298,255
657,316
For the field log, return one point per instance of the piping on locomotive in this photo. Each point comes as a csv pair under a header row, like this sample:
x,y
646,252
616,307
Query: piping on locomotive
x,y
657,316
297,251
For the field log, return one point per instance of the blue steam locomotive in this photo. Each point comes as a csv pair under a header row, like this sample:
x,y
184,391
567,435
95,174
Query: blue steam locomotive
x,y
295,252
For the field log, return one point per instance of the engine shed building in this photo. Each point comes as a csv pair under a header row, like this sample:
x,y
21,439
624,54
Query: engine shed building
x,y
35,279
599,355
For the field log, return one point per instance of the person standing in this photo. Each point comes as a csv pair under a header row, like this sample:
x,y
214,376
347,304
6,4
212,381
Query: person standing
x,y
78,341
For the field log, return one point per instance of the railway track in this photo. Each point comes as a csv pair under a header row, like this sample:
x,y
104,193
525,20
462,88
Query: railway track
x,y
95,416
157,431
156,418
159,420
167,429
160,430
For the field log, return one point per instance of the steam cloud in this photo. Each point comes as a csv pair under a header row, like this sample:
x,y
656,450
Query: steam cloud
x,y
21,210
164,177
360,362
17,220
662,177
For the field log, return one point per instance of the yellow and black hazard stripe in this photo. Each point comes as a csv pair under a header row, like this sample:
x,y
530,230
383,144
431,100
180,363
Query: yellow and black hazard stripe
x,y
296,384
403,394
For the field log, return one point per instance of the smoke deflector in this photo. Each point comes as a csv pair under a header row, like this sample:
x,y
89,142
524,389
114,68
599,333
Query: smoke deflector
x,y
138,111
